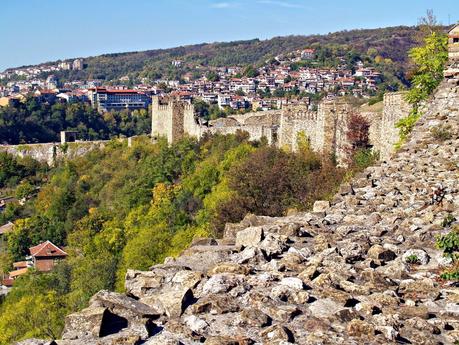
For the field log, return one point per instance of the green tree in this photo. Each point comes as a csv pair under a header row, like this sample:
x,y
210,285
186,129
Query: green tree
x,y
35,307
429,61
213,76
201,108
251,72
39,316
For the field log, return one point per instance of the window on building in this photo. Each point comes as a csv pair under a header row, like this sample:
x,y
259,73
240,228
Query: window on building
x,y
456,40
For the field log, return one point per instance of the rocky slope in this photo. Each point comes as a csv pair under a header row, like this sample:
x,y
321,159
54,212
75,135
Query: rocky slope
x,y
363,270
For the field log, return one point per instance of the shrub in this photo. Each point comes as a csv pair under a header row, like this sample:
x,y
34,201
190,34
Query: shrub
x,y
360,153
406,125
451,274
364,158
429,61
449,243
441,132
358,131
412,259
448,220
269,181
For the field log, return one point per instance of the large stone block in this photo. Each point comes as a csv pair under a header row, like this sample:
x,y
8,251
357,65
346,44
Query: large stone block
x,y
249,237
321,206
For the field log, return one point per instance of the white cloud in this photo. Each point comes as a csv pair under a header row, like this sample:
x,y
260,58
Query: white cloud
x,y
220,5
280,3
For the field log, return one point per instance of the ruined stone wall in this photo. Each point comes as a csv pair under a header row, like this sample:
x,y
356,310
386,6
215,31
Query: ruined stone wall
x,y
326,129
256,124
191,125
51,152
266,118
255,132
177,129
395,108
340,146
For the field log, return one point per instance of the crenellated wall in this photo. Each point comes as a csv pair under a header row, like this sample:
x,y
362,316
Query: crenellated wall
x,y
326,128
298,119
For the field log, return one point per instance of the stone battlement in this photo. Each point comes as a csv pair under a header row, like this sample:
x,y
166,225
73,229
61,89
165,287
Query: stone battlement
x,y
163,106
325,128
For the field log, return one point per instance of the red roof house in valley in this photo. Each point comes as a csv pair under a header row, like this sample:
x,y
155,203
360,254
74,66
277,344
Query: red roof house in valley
x,y
45,255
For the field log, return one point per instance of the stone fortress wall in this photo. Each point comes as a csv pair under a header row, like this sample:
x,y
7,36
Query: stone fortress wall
x,y
395,108
326,128
52,152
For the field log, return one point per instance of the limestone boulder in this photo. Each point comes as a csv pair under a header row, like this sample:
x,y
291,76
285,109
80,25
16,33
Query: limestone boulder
x,y
86,323
321,206
172,301
276,334
249,237
122,305
222,282
273,244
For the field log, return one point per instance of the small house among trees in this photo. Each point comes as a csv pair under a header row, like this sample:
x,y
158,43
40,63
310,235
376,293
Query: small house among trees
x,y
43,257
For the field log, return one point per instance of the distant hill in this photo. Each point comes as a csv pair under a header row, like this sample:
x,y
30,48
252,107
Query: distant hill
x,y
391,42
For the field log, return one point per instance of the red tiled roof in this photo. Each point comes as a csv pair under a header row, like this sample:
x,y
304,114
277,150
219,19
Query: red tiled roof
x,y
123,91
7,282
46,249
454,29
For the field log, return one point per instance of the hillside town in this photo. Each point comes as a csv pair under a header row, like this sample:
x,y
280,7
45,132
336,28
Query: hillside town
x,y
295,77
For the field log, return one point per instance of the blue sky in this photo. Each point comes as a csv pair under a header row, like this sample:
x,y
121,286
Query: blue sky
x,y
35,31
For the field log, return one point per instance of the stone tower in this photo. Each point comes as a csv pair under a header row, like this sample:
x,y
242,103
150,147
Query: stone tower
x,y
334,116
173,119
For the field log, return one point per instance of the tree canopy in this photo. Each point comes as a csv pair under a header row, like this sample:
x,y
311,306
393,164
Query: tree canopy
x,y
38,122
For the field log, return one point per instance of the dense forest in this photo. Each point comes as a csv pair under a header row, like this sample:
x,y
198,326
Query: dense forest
x,y
387,43
40,122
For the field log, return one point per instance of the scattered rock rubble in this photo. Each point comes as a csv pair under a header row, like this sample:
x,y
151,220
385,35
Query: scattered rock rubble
x,y
343,274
